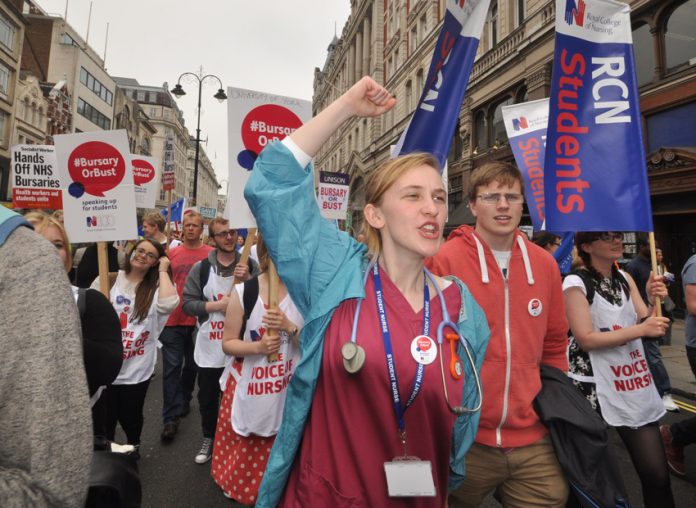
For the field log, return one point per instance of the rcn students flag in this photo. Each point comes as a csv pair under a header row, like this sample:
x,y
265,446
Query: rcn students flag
x,y
595,171
432,124
526,125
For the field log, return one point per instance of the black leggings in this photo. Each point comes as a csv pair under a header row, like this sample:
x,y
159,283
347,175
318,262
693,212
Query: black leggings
x,y
125,405
644,444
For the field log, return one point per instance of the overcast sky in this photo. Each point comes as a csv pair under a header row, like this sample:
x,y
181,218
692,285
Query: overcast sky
x,y
271,46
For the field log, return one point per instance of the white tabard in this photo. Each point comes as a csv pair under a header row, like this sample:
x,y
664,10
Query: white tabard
x,y
208,350
259,398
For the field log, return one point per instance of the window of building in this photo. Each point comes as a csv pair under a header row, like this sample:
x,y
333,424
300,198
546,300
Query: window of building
x,y
480,131
4,117
409,97
413,39
141,97
680,42
66,39
456,147
95,86
422,27
93,115
499,134
493,24
5,73
520,12
419,81
7,33
644,54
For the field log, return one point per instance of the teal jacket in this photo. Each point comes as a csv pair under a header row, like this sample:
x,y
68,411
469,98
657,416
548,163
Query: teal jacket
x,y
322,266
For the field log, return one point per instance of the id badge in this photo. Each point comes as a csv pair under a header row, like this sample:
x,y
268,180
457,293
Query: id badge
x,y
410,478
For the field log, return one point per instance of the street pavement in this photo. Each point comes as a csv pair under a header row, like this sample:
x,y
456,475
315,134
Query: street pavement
x,y
170,478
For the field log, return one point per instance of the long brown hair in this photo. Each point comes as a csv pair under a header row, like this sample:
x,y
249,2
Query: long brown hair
x,y
145,291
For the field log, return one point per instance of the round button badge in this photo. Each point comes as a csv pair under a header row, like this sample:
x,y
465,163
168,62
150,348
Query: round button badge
x,y
534,307
423,350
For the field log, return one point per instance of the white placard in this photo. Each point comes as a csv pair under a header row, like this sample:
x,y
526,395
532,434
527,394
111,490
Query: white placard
x,y
146,176
35,181
332,194
98,189
255,120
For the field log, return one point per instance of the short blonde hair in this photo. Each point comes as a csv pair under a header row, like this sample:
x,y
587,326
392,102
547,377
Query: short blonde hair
x,y
42,222
381,180
155,219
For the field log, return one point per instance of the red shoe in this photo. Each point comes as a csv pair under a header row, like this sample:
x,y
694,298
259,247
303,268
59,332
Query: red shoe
x,y
675,453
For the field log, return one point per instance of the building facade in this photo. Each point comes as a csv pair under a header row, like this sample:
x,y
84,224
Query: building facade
x,y
207,181
12,26
393,41
130,116
31,112
55,52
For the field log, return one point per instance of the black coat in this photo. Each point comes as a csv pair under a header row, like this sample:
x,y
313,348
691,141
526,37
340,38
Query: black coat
x,y
581,441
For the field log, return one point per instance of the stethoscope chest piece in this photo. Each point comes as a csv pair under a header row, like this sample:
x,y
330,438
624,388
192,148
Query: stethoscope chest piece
x,y
353,357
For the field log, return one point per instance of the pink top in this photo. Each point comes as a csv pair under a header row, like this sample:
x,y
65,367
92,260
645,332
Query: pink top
x,y
182,260
352,428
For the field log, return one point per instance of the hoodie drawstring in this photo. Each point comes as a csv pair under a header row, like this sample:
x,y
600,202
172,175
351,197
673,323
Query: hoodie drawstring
x,y
525,258
482,261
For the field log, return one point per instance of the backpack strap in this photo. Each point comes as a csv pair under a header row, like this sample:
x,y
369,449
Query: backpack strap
x,y
587,280
82,302
204,273
251,294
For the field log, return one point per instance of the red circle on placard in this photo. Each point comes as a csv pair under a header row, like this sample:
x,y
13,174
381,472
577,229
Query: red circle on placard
x,y
267,123
98,166
143,171
424,343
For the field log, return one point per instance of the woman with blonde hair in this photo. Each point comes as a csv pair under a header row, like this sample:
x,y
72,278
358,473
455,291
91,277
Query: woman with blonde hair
x,y
379,387
101,333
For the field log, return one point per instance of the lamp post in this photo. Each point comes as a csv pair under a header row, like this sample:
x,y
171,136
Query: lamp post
x,y
178,92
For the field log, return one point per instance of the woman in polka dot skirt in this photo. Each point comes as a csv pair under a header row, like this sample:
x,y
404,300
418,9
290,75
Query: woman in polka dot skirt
x,y
255,388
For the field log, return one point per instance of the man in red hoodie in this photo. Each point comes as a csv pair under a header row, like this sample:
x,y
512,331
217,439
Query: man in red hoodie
x,y
518,285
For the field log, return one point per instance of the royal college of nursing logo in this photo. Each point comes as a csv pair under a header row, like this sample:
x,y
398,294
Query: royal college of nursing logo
x,y
575,12
519,123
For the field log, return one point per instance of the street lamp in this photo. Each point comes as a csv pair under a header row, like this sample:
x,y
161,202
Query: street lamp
x,y
179,92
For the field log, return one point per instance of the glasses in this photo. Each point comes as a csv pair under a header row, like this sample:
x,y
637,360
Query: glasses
x,y
148,255
222,234
610,237
492,198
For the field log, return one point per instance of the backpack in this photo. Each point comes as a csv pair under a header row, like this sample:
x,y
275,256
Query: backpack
x,y
587,280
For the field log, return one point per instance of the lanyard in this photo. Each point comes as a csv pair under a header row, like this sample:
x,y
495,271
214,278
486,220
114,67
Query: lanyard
x,y
386,336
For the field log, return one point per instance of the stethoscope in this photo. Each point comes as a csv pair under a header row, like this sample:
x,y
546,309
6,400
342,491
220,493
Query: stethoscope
x,y
354,355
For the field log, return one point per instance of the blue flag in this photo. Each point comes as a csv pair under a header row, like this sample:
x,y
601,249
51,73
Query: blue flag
x,y
432,125
595,171
177,211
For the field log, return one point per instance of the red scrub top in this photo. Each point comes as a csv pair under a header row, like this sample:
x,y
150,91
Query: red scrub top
x,y
352,428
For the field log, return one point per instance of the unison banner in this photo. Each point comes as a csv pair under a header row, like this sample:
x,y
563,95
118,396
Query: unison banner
x,y
595,171
332,195
432,124
526,124
255,120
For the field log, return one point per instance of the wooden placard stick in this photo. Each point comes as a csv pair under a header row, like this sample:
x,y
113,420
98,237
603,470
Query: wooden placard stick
x,y
273,287
168,227
103,264
653,261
